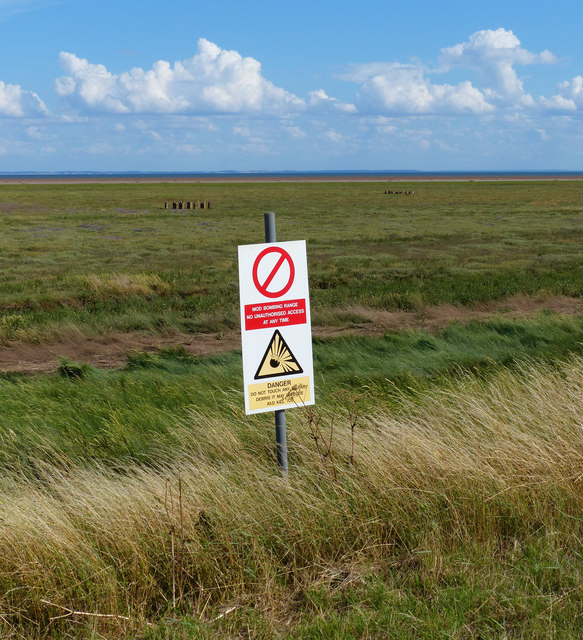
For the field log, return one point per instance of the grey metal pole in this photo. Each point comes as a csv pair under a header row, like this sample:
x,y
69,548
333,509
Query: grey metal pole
x,y
270,235
280,428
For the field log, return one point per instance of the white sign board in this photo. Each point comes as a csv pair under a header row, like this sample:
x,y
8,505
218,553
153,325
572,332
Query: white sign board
x,y
276,331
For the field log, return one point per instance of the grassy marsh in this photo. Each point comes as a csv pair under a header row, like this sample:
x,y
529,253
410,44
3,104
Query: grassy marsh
x,y
434,490
109,257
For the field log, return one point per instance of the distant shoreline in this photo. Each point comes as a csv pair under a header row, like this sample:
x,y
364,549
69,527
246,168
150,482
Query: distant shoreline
x,y
291,177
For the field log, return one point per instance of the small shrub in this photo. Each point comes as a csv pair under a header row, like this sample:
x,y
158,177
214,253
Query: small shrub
x,y
405,301
73,370
11,325
142,360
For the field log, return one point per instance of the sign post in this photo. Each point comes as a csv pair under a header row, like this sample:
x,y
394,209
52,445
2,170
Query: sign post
x,y
280,424
276,333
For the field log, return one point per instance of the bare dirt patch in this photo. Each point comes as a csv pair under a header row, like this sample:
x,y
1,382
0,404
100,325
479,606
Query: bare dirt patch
x,y
438,317
110,351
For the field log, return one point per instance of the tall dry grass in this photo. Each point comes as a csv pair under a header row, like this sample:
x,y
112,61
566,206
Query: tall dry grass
x,y
488,463
123,284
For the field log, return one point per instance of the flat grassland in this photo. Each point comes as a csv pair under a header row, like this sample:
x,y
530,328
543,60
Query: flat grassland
x,y
434,491
94,260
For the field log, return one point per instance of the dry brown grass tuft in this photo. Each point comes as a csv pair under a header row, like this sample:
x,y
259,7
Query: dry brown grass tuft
x,y
122,285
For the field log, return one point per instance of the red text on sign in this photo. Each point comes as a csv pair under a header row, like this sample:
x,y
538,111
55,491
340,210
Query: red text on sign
x,y
275,314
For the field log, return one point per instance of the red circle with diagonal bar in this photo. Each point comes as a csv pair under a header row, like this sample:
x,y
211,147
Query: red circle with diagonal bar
x,y
284,257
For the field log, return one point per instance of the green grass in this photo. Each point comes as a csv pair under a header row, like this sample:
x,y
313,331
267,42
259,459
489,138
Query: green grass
x,y
109,257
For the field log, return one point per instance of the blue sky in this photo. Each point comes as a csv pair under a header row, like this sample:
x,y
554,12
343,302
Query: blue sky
x,y
182,85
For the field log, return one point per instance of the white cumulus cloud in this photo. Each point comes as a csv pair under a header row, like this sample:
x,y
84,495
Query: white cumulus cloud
x,y
320,100
214,80
401,88
17,103
569,98
493,53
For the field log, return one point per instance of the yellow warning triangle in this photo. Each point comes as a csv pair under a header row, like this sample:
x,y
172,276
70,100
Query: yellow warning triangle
x,y
278,359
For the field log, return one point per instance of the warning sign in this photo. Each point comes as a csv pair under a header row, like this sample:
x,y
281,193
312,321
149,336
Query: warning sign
x,y
271,395
276,334
278,360
275,314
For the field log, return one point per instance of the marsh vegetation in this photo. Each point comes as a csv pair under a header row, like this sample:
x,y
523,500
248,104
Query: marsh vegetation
x,y
435,488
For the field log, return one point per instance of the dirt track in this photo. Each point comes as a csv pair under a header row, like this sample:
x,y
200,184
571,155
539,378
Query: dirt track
x,y
110,351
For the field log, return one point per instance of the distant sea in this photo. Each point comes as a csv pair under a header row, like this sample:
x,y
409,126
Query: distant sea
x,y
294,175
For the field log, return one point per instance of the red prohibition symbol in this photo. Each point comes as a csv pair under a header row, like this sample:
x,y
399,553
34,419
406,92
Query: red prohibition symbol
x,y
263,287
